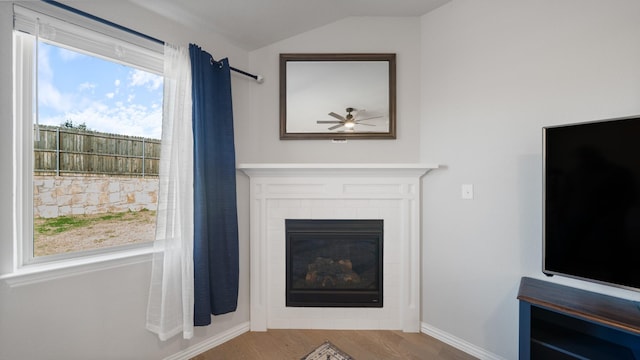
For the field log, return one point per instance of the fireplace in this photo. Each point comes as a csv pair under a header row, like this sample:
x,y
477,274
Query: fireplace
x,y
334,263
388,192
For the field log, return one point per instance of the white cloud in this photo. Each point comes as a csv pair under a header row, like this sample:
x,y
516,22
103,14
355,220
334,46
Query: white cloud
x,y
143,78
99,112
68,55
134,120
86,86
44,64
49,96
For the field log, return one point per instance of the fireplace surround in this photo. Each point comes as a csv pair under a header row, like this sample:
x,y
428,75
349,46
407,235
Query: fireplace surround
x,y
387,192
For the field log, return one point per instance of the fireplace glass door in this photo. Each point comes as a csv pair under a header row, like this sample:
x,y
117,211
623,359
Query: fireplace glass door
x,y
334,263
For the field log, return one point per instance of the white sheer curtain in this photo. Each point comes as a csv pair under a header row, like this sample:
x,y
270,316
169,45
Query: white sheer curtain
x,y
170,308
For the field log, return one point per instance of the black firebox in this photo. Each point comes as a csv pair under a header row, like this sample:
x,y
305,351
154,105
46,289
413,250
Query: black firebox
x,y
334,263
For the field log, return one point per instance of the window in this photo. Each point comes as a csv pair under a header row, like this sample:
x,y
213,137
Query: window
x,y
88,127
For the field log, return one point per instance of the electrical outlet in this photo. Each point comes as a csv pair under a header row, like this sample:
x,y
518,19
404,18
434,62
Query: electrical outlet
x,y
467,191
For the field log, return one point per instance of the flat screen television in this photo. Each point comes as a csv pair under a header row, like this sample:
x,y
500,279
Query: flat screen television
x,y
591,191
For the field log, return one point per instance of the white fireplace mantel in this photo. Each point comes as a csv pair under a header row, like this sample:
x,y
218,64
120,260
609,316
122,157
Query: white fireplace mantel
x,y
390,192
362,169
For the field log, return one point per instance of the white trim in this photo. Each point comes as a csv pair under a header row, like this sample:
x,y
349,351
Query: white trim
x,y
330,169
27,269
70,30
458,343
37,273
23,82
297,166
240,329
219,339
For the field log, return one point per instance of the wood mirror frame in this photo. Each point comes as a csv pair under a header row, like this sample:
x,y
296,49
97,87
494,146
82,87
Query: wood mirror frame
x,y
312,86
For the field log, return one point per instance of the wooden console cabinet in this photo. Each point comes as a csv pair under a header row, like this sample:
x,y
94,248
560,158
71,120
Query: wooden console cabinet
x,y
560,322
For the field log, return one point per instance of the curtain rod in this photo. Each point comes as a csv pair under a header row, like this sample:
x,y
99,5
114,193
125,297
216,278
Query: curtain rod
x,y
258,78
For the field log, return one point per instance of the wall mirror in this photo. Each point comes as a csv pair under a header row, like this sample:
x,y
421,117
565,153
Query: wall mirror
x,y
337,96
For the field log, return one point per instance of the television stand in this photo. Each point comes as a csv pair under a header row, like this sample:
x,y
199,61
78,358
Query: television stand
x,y
561,322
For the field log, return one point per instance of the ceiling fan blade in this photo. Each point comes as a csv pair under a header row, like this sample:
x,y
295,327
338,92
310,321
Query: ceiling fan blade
x,y
364,124
335,127
337,116
369,118
328,122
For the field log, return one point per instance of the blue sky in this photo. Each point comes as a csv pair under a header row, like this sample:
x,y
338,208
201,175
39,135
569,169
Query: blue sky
x,y
106,96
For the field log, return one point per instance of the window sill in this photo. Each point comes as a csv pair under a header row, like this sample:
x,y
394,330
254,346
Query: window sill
x,y
36,273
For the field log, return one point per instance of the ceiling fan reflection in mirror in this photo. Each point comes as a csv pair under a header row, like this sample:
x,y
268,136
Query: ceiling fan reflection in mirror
x,y
349,121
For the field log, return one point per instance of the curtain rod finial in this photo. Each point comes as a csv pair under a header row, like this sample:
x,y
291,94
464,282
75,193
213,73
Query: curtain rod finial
x,y
259,79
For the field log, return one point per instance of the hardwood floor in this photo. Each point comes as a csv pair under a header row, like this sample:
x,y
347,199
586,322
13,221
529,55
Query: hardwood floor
x,y
360,344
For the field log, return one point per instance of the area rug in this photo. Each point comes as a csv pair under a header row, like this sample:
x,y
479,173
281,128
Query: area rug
x,y
327,351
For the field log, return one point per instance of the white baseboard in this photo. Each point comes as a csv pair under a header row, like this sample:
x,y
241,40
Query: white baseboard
x,y
458,343
425,328
210,343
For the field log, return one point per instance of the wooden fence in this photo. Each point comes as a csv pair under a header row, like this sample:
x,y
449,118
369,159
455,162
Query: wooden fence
x,y
66,151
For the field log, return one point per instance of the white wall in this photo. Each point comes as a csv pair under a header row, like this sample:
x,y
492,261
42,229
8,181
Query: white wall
x,y
493,73
476,82
351,35
102,314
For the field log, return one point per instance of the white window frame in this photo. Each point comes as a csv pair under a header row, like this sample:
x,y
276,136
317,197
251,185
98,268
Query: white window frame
x,y
81,34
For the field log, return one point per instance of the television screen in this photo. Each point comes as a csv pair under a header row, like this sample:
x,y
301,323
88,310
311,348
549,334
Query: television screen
x,y
592,201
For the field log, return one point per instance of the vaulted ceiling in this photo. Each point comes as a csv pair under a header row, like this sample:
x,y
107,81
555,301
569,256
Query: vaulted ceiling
x,y
255,23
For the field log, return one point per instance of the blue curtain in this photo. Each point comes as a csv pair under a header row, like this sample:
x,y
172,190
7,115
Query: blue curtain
x,y
215,248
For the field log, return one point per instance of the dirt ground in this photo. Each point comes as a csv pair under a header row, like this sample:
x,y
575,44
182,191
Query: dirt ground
x,y
129,229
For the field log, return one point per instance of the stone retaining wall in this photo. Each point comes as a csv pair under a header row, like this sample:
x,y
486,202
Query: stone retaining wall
x,y
55,196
